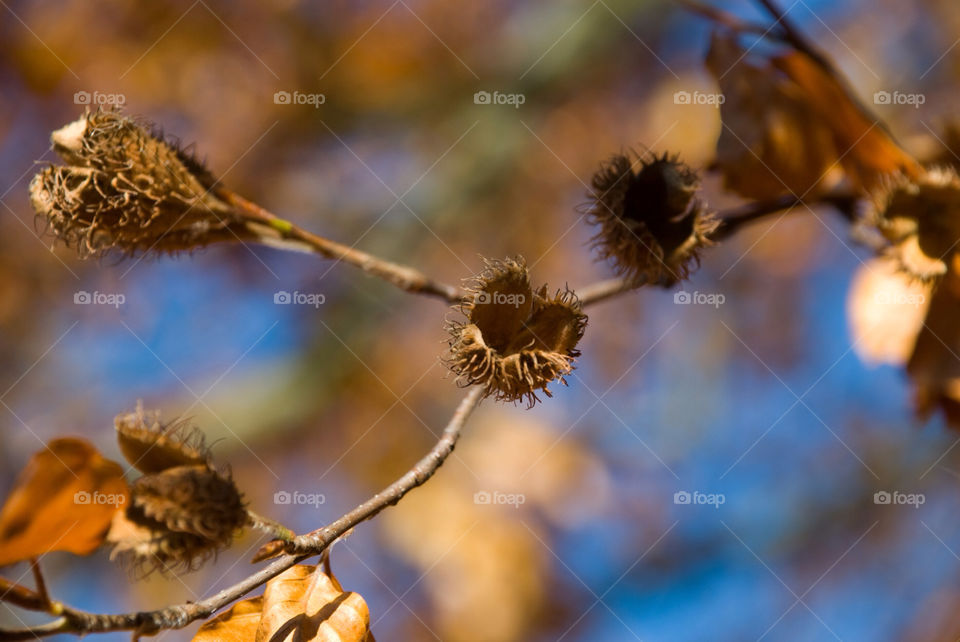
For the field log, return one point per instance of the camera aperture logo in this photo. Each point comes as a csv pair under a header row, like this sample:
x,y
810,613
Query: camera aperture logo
x,y
298,98
896,498
96,498
315,299
99,98
498,98
82,297
493,498
499,298
296,498
699,298
696,498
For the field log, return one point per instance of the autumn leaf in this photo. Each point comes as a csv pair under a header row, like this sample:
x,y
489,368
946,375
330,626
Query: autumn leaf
x,y
791,126
302,604
63,500
239,624
771,142
933,366
867,151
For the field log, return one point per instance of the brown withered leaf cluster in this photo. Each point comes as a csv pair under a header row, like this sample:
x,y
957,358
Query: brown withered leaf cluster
x,y
789,126
303,603
64,500
516,340
125,188
183,509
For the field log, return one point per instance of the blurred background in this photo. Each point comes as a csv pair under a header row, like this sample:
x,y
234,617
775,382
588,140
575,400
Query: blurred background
x,y
761,401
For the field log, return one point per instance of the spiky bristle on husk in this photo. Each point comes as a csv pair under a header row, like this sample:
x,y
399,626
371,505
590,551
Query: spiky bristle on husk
x,y
515,340
651,223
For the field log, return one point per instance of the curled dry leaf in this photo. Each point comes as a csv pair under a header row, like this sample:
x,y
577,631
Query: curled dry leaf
x,y
239,624
867,151
790,126
302,604
934,366
63,500
771,143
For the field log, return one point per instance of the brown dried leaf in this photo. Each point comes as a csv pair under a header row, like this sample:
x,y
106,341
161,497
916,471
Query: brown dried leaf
x,y
63,500
789,125
239,624
302,604
934,366
306,605
771,142
868,153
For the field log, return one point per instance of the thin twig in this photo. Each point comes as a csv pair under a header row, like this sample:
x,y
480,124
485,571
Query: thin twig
x,y
21,596
424,469
41,584
302,547
726,19
602,290
796,38
273,230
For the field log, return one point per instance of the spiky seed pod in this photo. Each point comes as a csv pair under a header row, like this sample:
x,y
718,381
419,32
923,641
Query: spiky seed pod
x,y
145,545
152,447
182,510
651,223
516,340
125,188
921,220
192,499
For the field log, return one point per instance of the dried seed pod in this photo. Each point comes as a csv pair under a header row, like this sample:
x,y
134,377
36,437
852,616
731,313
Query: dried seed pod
x,y
516,340
652,225
152,447
192,499
127,189
182,510
145,545
921,220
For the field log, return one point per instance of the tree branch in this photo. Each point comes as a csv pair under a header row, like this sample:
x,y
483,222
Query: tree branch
x,y
731,21
300,548
273,230
732,221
